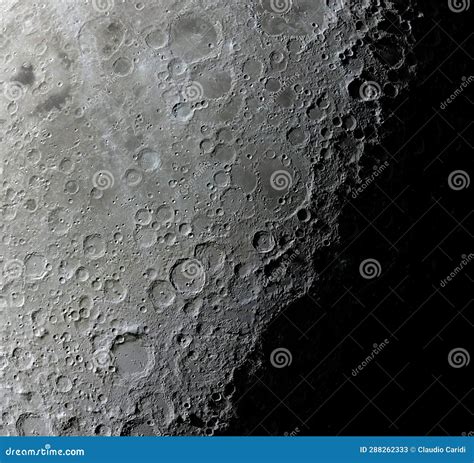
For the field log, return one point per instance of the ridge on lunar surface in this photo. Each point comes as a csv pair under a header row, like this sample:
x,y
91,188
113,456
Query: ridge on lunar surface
x,y
162,164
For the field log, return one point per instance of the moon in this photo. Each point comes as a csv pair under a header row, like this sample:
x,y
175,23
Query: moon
x,y
168,171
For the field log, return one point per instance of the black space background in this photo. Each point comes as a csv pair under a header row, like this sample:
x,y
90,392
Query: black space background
x,y
417,228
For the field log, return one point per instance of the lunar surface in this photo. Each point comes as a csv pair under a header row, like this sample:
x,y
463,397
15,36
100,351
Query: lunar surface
x,y
168,171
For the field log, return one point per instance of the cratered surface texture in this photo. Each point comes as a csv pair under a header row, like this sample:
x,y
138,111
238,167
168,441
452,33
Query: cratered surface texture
x,y
168,169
